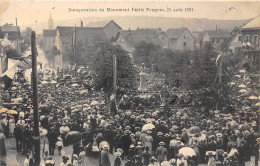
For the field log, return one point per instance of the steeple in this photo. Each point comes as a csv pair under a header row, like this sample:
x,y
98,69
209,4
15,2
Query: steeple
x,y
50,22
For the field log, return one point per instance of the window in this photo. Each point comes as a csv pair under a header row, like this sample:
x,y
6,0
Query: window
x,y
185,36
255,39
217,40
247,38
184,43
239,38
213,41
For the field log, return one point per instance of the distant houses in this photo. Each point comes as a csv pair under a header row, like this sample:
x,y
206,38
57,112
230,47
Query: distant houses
x,y
128,39
216,38
49,38
12,33
251,46
235,42
65,36
180,39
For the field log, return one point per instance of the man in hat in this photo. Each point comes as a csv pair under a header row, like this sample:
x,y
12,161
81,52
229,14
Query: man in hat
x,y
52,138
18,137
2,144
104,157
161,152
126,142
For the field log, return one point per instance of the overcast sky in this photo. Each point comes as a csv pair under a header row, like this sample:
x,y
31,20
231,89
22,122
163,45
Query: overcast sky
x,y
28,12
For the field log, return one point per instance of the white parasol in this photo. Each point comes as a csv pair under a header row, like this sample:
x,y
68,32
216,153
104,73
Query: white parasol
x,y
187,151
148,126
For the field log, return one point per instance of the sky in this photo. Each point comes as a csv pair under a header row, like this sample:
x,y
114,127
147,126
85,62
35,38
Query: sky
x,y
29,11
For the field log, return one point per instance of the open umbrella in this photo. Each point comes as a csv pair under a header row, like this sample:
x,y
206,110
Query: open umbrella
x,y
242,86
148,126
3,110
253,98
244,127
194,130
73,137
11,112
238,76
53,82
187,151
257,104
94,102
75,85
242,71
44,82
232,83
76,110
243,91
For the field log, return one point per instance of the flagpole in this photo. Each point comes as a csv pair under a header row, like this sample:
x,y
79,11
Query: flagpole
x,y
36,134
114,74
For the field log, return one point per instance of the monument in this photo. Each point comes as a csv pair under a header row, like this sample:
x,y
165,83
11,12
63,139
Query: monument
x,y
143,77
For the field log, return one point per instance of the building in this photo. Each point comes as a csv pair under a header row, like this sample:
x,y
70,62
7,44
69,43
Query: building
x,y
111,28
250,45
12,33
235,42
48,39
81,35
216,37
180,39
49,36
198,37
128,39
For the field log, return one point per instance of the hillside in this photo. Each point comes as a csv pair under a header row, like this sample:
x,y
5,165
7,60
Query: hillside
x,y
133,22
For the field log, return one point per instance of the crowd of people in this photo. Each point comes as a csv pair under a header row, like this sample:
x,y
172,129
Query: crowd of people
x,y
73,113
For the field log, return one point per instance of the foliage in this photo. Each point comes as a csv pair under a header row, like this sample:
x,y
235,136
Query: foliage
x,y
103,69
202,72
12,53
26,37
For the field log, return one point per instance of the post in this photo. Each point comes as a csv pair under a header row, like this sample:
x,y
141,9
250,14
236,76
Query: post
x,y
36,134
114,74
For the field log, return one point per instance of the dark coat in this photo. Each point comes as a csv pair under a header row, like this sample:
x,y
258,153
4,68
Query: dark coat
x,y
104,159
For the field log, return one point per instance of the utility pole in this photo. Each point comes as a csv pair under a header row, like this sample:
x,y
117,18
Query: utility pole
x,y
36,133
114,74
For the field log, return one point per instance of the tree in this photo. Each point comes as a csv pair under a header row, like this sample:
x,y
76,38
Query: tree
x,y
26,38
102,67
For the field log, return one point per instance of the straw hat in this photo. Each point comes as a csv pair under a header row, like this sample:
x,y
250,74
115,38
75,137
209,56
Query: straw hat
x,y
161,143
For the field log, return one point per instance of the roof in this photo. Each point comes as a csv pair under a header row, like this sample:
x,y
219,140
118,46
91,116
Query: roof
x,y
198,35
233,37
13,31
49,32
82,34
90,34
218,34
131,38
175,33
101,24
7,28
254,24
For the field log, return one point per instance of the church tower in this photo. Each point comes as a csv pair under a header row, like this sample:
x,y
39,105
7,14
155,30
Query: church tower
x,y
50,22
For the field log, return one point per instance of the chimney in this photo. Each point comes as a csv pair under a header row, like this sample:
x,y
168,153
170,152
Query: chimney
x,y
216,27
16,21
81,23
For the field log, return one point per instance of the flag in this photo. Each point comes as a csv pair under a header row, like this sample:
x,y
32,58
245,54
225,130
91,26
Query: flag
x,y
5,43
218,59
14,65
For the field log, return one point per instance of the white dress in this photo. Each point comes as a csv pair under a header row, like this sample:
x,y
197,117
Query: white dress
x,y
11,126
